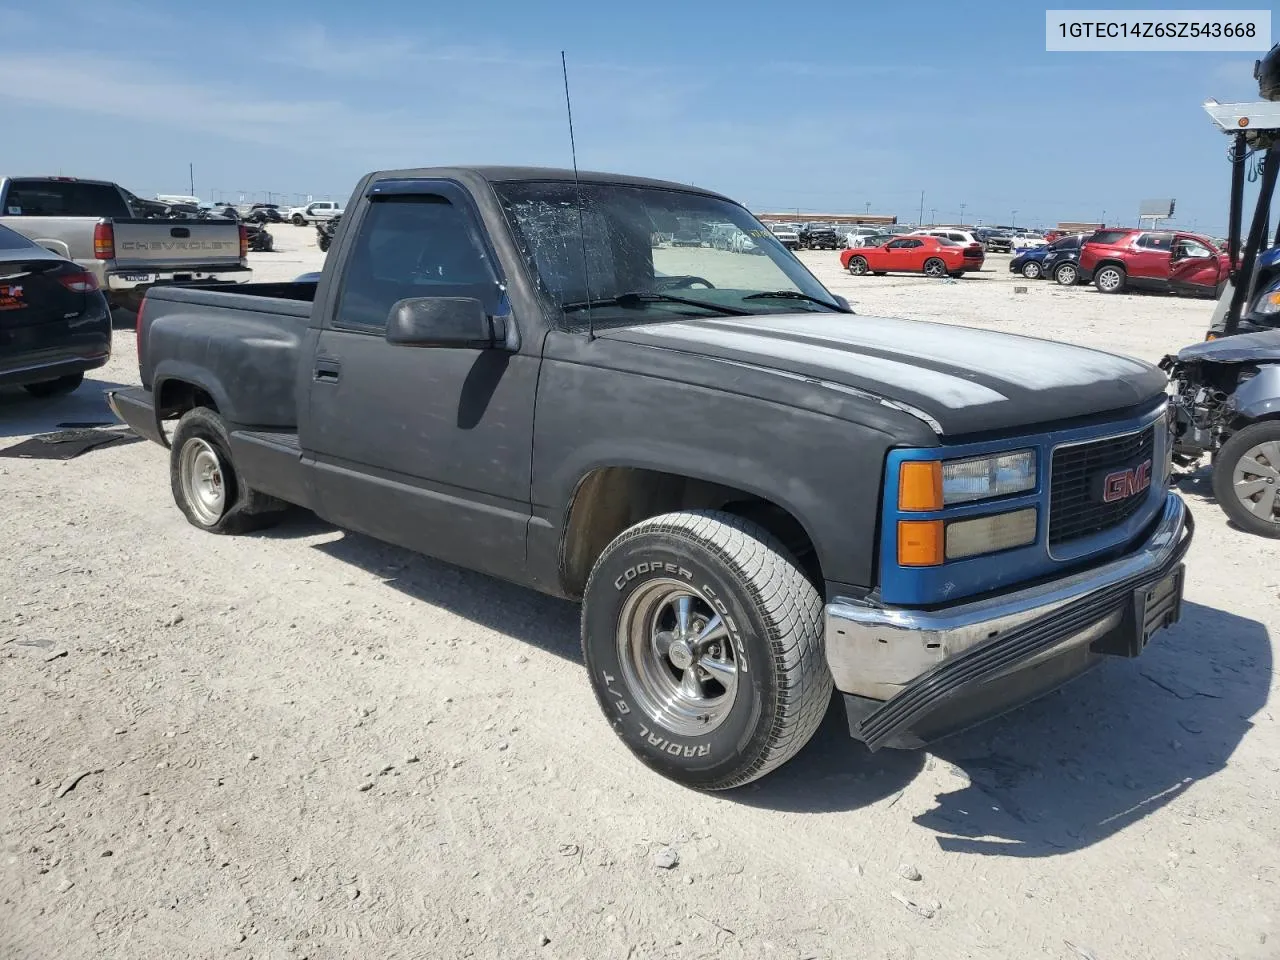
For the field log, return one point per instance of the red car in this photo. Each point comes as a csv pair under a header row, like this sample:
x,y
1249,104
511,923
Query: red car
x,y
1184,263
932,256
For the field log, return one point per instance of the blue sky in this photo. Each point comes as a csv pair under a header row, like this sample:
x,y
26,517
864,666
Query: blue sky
x,y
781,106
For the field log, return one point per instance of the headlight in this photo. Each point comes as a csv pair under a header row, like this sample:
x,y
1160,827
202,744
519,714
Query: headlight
x,y
1268,303
981,478
934,484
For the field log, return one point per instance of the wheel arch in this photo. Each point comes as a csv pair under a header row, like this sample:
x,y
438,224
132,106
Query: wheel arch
x,y
608,499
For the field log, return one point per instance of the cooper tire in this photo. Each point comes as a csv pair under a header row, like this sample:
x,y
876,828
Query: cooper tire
x,y
55,388
752,638
204,481
1031,270
1239,473
1110,279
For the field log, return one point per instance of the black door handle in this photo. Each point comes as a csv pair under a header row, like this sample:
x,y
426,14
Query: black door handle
x,y
327,370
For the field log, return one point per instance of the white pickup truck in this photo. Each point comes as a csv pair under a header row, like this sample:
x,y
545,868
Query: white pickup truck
x,y
314,211
92,223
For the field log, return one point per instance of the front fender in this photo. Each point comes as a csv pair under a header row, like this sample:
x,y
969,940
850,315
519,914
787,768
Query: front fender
x,y
1259,397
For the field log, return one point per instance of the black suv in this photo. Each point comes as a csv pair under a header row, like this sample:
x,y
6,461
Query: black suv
x,y
820,236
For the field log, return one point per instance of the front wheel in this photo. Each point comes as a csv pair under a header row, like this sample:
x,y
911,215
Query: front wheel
x,y
857,266
1031,270
299,220
1246,478
703,641
1067,275
55,388
933,267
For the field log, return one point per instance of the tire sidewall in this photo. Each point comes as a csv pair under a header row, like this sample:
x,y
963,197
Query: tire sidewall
x,y
1063,271
1031,270
1224,466
721,754
202,424
935,271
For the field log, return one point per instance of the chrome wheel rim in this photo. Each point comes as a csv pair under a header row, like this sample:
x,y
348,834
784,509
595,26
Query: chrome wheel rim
x,y
857,266
935,268
1256,481
1108,280
203,484
677,658
1067,276
1031,270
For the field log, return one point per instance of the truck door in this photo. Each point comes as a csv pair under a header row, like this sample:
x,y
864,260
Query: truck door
x,y
1195,268
427,447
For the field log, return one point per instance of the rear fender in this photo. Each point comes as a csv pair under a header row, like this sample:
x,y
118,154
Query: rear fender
x,y
186,372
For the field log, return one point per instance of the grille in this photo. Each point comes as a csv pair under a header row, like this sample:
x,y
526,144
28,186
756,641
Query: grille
x,y
1074,509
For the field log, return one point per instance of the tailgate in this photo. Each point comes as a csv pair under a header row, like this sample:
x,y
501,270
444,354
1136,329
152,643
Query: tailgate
x,y
159,244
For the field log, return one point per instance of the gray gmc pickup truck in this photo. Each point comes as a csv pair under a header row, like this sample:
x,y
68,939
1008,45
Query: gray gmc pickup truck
x,y
755,493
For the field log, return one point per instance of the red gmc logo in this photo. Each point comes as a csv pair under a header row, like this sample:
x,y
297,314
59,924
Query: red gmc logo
x,y
1122,484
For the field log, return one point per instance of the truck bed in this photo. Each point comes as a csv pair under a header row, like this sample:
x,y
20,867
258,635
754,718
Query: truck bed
x,y
210,336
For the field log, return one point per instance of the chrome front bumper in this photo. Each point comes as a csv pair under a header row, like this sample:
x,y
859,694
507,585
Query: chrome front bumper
x,y
915,658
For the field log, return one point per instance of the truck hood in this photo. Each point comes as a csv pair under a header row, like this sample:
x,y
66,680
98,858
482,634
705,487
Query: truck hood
x,y
963,379
1244,348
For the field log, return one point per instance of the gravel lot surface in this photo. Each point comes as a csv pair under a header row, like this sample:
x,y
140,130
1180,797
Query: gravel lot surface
x,y
307,744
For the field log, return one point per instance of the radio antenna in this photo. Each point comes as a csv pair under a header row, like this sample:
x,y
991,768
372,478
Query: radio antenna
x,y
577,189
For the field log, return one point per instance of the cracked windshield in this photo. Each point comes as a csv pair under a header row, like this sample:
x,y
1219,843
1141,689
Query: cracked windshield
x,y
653,254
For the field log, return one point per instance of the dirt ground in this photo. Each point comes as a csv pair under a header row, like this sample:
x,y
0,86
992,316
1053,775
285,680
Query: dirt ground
x,y
304,743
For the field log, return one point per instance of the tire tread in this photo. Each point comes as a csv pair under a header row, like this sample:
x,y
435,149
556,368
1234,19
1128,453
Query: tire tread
x,y
786,600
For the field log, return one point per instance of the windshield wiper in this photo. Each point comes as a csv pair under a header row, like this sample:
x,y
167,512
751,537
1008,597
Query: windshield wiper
x,y
791,295
638,299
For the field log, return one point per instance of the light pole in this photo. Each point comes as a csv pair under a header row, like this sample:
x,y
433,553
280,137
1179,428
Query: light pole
x,y
962,206
1013,223
933,216
868,208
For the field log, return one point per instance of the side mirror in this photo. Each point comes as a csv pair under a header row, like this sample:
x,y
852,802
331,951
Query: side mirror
x,y
843,303
440,322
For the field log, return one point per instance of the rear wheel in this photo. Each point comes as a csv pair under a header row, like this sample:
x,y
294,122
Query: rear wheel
x,y
934,267
703,642
1031,270
206,487
1246,478
1110,279
858,266
55,388
1067,275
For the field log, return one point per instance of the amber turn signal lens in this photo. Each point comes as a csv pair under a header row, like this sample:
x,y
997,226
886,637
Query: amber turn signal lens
x,y
920,543
920,485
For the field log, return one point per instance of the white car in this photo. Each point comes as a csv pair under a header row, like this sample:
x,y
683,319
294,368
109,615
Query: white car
x,y
864,237
947,233
856,240
1028,241
317,210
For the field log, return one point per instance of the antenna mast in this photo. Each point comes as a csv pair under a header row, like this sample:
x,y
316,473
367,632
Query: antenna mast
x,y
577,188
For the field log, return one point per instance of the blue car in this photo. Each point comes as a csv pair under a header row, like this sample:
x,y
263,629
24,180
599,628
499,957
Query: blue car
x,y
1031,263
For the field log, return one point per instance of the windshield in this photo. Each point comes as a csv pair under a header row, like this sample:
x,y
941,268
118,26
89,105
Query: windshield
x,y
690,248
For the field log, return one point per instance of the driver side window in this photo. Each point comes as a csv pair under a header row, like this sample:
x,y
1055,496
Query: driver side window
x,y
416,245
